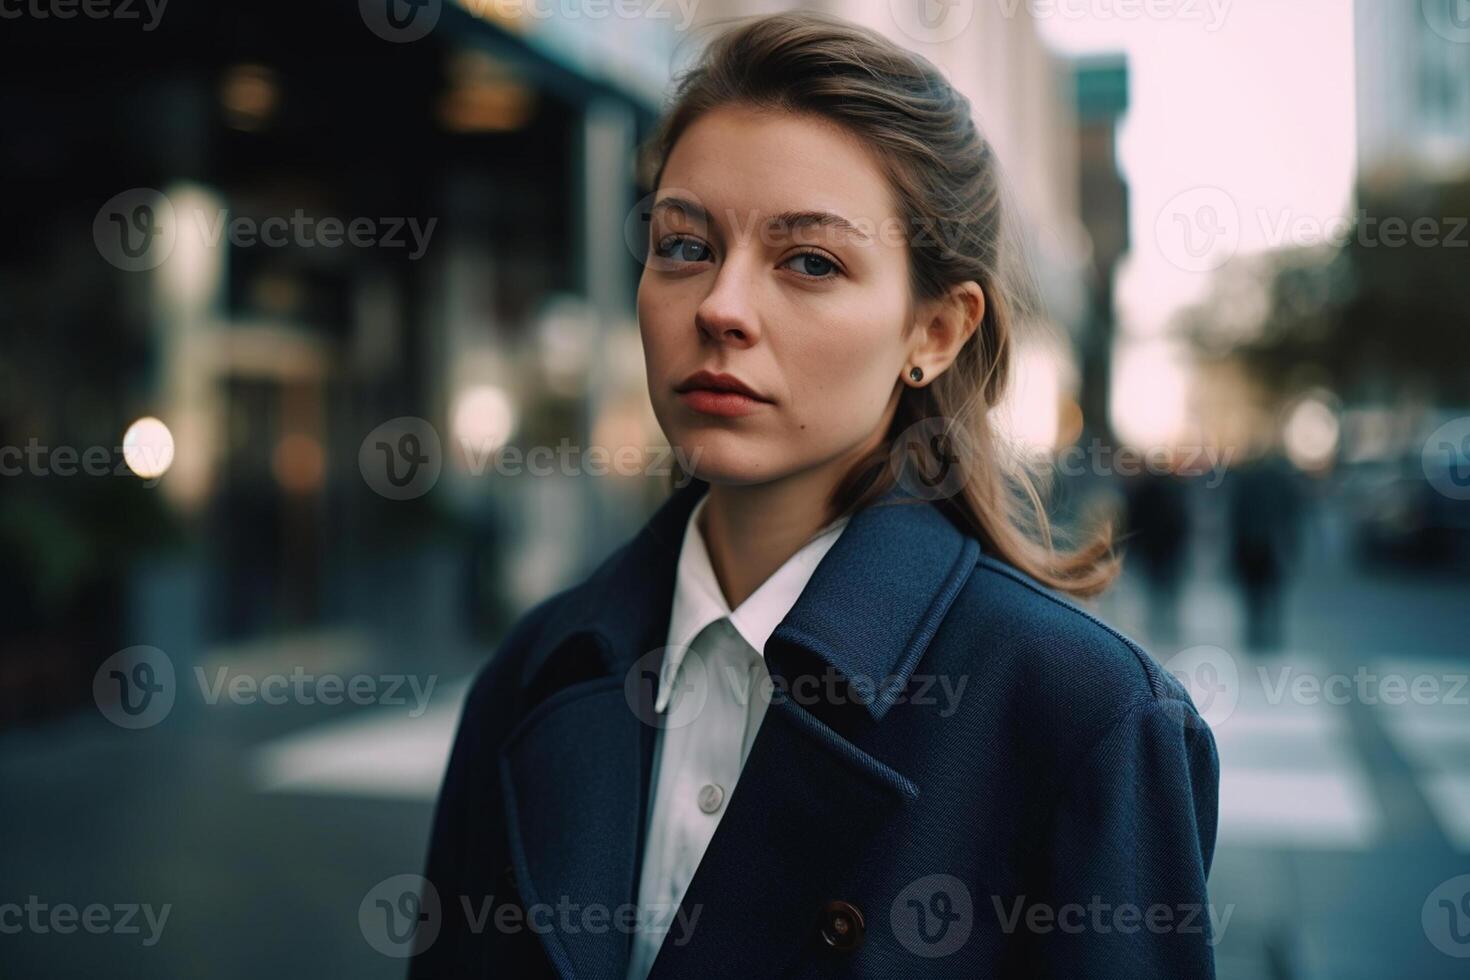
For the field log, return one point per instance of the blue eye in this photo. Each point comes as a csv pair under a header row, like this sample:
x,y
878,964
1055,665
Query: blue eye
x,y
682,248
814,264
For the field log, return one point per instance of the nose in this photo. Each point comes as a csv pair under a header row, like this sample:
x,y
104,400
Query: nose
x,y
727,313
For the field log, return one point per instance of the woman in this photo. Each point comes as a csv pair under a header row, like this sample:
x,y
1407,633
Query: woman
x,y
828,713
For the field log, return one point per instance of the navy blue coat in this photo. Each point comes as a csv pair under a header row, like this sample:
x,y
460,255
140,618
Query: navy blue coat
x,y
1053,817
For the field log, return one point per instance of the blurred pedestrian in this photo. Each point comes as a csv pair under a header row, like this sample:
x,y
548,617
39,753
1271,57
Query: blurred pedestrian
x,y
1265,513
1158,528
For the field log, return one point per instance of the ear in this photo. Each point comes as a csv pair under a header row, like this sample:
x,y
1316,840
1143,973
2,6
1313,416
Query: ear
x,y
943,326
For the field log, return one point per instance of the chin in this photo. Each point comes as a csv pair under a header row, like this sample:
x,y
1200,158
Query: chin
x,y
726,458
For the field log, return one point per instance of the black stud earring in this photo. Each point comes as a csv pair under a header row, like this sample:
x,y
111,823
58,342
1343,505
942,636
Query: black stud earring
x,y
917,374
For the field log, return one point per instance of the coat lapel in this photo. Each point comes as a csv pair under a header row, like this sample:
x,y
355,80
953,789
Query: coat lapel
x,y
571,785
575,773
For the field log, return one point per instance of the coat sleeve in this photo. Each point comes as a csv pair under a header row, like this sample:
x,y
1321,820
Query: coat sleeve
x,y
1124,891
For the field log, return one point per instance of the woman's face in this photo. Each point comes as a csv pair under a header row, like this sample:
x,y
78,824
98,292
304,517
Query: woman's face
x,y
776,257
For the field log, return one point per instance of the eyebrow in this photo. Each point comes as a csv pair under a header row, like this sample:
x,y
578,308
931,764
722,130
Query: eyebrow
x,y
786,220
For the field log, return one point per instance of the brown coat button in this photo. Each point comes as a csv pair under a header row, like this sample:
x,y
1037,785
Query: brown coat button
x,y
842,925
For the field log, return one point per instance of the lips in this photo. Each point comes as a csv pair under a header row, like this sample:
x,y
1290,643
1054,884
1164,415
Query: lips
x,y
723,395
724,383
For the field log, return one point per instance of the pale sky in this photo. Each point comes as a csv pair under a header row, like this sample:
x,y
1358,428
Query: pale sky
x,y
1253,98
1240,134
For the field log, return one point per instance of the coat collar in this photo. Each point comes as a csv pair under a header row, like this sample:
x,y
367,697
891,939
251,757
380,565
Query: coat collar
x,y
574,774
699,599
868,611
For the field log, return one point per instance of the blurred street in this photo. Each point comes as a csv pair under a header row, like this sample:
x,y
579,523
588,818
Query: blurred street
x,y
265,826
1340,783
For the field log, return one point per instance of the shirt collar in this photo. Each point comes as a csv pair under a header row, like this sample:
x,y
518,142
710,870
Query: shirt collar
x,y
699,601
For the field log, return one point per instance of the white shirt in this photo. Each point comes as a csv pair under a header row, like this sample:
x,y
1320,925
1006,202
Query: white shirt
x,y
712,697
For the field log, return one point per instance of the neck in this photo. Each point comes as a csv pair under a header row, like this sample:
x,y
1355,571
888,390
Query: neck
x,y
750,531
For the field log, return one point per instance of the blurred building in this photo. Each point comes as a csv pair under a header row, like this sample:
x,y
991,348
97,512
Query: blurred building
x,y
1413,88
279,229
275,229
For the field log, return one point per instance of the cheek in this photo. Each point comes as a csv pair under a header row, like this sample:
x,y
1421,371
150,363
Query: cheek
x,y
842,378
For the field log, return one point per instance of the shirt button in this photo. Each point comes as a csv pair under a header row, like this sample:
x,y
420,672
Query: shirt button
x,y
710,796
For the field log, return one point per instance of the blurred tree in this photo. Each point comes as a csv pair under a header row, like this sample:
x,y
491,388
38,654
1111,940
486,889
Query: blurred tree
x,y
1376,311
